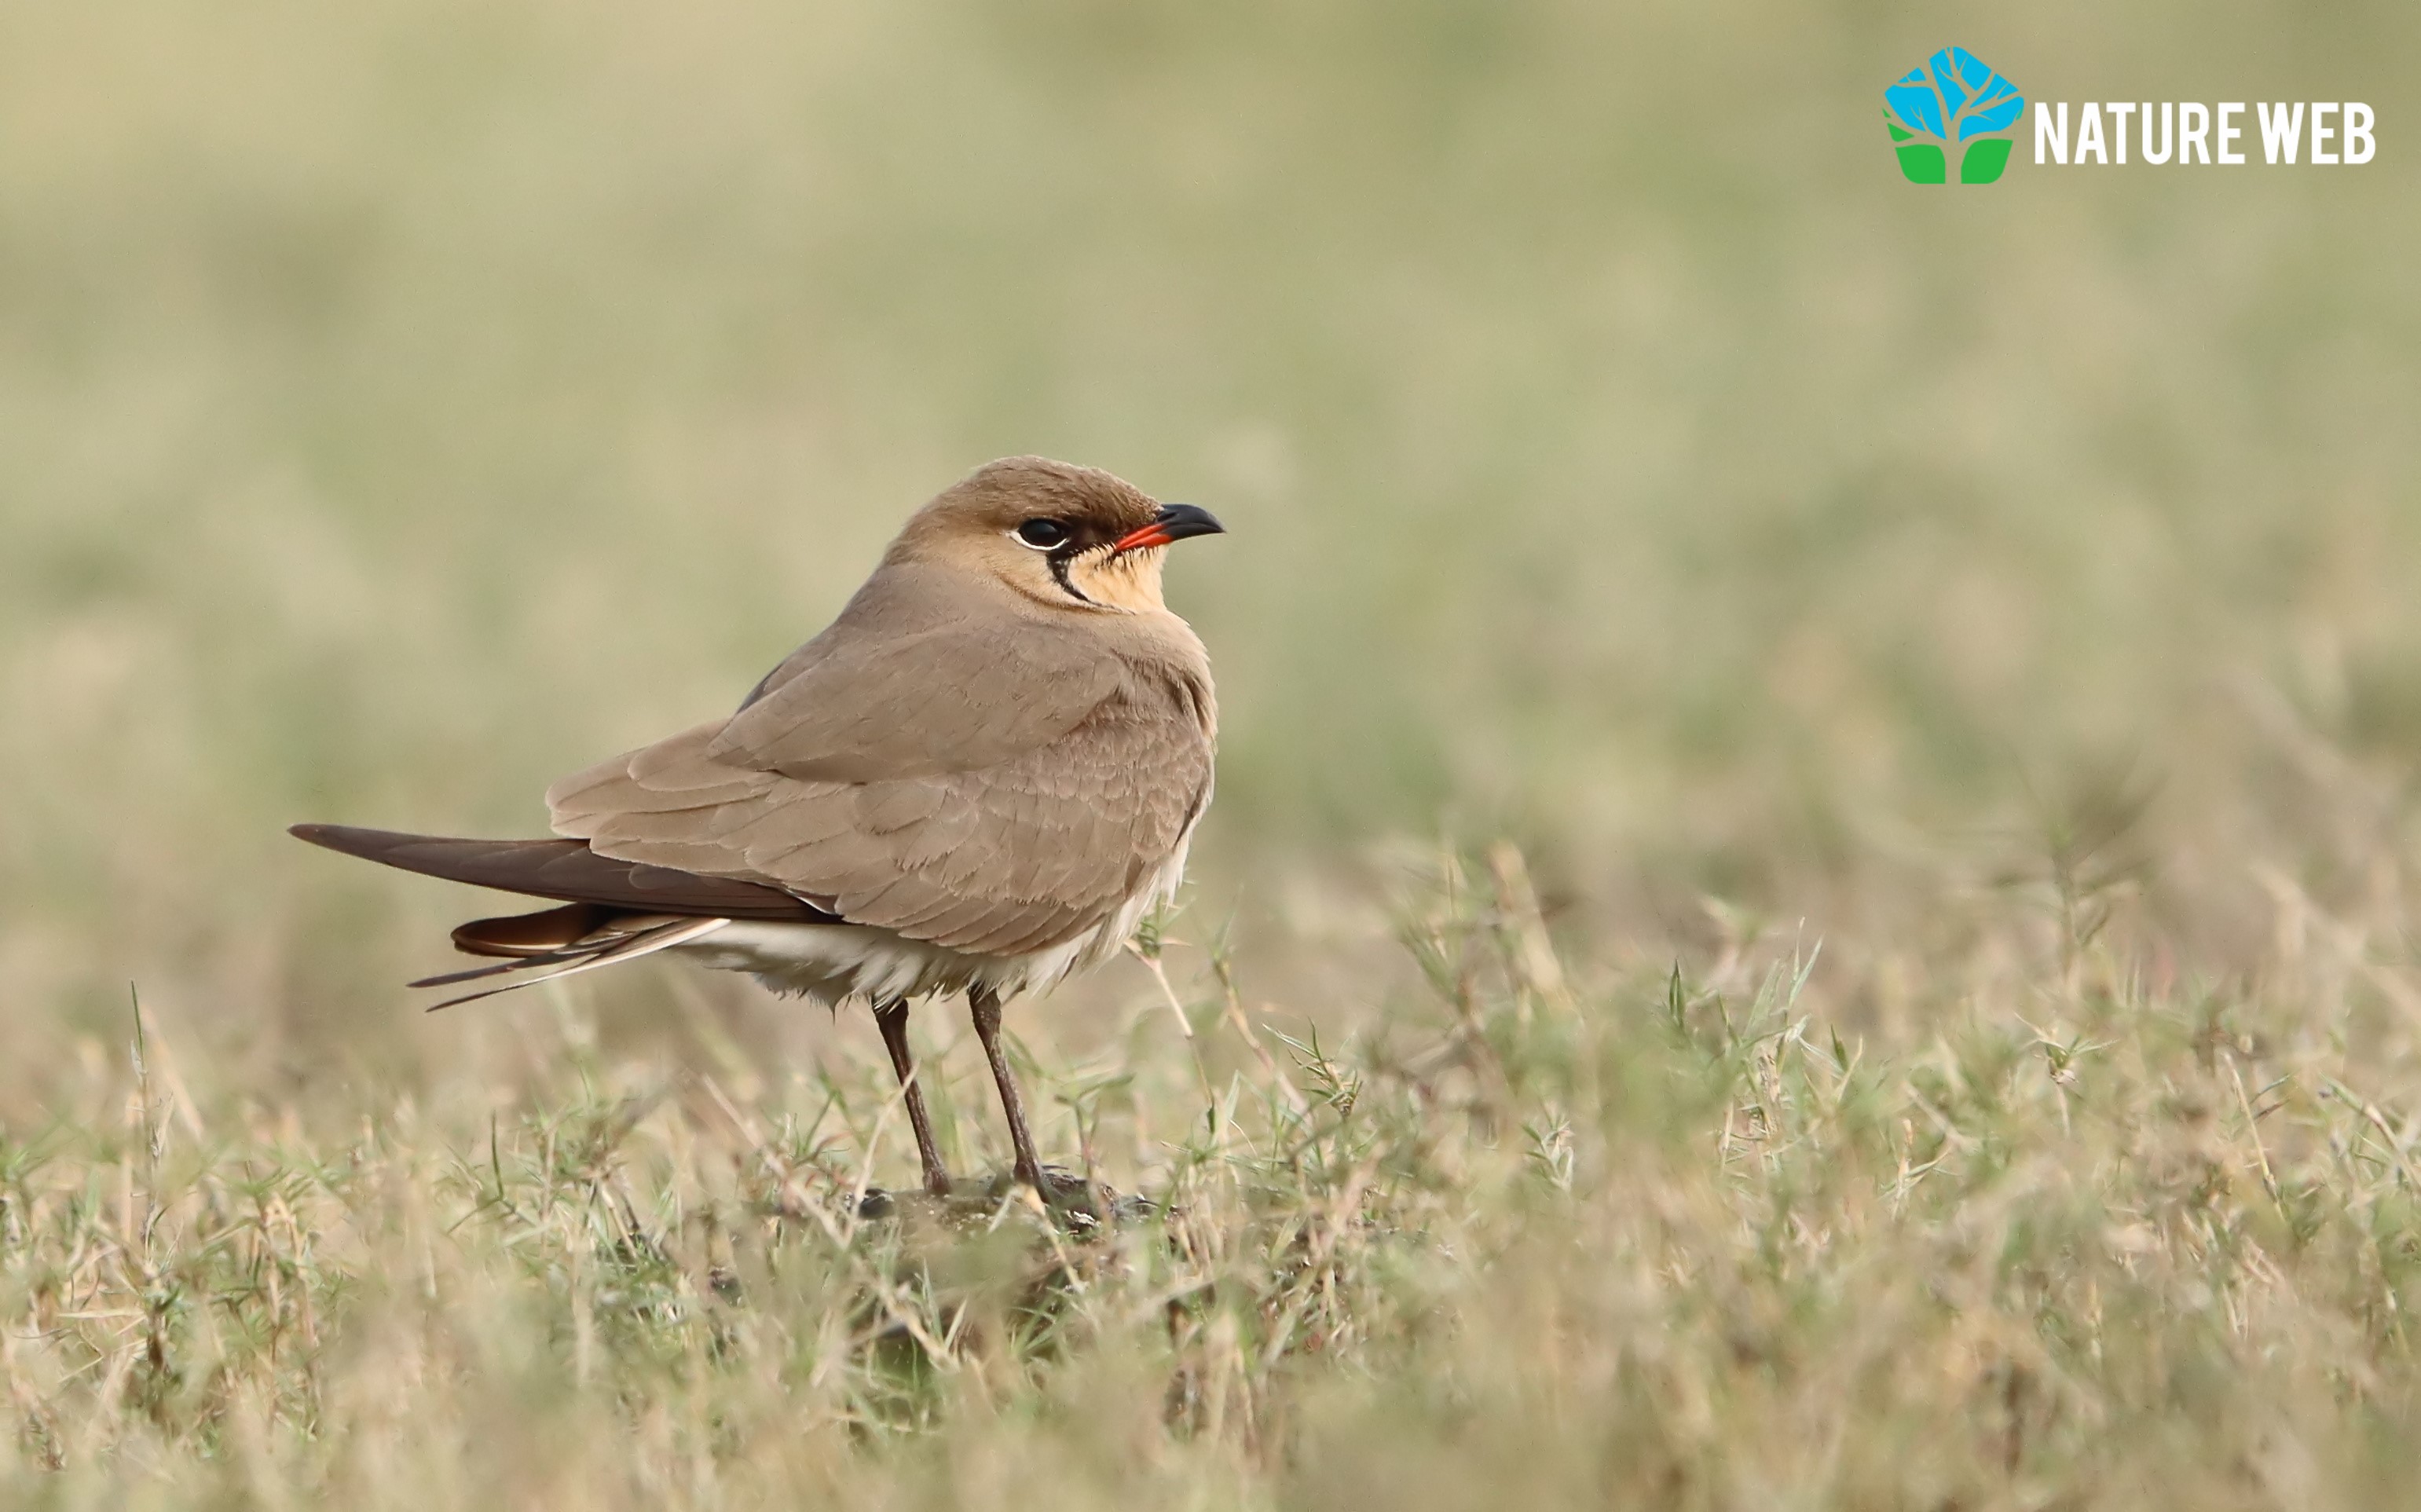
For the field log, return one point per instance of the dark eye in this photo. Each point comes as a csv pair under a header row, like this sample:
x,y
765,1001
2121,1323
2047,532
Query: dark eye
x,y
1043,535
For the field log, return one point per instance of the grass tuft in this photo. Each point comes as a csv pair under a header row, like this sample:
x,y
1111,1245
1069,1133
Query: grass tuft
x,y
1638,1234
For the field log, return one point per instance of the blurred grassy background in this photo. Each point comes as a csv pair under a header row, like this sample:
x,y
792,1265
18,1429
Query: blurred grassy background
x,y
403,404
2010,590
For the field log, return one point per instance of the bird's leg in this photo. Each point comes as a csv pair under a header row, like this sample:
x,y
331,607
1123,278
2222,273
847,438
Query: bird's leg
x,y
892,1018
986,1003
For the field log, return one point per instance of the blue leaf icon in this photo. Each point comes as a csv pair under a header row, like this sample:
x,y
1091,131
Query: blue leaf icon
x,y
1954,96
1946,78
1992,101
1914,103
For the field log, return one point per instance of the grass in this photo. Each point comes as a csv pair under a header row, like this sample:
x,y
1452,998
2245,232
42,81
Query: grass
x,y
1583,1237
1810,900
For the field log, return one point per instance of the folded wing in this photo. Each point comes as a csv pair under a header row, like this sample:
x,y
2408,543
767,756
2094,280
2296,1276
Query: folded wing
x,y
565,869
1017,854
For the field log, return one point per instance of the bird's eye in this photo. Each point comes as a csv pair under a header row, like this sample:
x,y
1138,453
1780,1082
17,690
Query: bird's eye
x,y
1043,534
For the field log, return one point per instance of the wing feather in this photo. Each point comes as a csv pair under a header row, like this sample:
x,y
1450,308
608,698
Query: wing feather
x,y
915,678
997,824
563,870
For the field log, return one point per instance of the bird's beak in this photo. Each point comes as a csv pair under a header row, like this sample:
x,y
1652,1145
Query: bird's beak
x,y
1174,523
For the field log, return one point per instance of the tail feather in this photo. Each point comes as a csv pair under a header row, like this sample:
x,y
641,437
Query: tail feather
x,y
573,932
615,910
541,933
663,935
501,968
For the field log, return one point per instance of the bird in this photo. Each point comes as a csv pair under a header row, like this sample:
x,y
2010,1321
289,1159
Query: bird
x,y
979,778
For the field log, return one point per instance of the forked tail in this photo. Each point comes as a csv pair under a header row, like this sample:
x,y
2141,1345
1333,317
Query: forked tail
x,y
617,911
626,937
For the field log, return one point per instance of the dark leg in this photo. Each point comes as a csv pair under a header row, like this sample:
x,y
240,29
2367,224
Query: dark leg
x,y
986,1003
892,1018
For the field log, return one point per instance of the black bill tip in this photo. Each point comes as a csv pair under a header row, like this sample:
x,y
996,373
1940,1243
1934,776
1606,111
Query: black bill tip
x,y
1178,521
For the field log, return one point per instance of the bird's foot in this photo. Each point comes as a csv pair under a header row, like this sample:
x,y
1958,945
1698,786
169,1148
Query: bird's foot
x,y
1077,1205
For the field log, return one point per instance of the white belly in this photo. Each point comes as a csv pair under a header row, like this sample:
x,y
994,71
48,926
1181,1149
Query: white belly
x,y
833,962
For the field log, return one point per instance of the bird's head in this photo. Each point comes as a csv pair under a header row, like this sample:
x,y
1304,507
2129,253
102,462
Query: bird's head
x,y
1066,537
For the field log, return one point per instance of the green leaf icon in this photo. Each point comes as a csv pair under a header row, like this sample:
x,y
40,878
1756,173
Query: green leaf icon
x,y
1984,162
1922,163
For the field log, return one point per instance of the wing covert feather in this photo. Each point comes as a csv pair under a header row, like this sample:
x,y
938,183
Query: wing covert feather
x,y
913,679
1019,853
